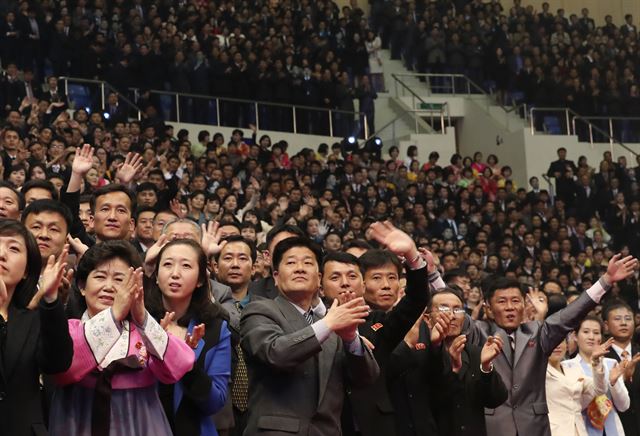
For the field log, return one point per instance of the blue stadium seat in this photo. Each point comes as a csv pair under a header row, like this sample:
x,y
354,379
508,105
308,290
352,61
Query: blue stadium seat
x,y
80,95
552,125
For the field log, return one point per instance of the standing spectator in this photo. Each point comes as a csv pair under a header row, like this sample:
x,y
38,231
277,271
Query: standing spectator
x,y
366,95
376,70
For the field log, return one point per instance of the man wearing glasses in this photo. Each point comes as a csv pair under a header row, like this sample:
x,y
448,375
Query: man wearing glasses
x,y
618,318
435,362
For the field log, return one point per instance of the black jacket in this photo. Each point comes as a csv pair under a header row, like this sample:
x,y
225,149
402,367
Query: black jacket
x,y
631,417
462,397
37,342
371,406
410,381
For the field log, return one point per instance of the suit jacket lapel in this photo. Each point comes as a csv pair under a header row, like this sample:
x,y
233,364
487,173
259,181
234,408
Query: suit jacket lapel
x,y
295,319
507,353
18,330
522,339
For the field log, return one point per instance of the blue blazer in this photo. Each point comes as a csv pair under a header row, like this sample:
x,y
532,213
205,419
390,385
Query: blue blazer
x,y
202,391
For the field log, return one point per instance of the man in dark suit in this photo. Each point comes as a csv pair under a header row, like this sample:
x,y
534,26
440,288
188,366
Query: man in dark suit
x,y
298,362
618,318
529,248
117,112
55,96
523,361
558,167
451,374
375,276
586,198
143,239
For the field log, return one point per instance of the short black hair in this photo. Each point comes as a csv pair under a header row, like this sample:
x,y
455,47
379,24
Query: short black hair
x,y
108,189
454,274
146,186
614,305
42,184
282,228
341,257
556,302
293,242
45,205
9,186
142,209
376,258
237,238
500,283
356,243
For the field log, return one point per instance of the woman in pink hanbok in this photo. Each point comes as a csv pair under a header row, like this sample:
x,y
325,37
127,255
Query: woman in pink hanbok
x,y
120,352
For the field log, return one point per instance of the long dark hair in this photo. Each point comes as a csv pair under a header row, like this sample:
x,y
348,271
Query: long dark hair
x,y
94,257
201,307
26,288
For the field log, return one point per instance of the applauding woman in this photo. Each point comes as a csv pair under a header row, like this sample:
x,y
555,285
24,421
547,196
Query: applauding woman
x,y
120,352
569,391
31,342
601,414
183,298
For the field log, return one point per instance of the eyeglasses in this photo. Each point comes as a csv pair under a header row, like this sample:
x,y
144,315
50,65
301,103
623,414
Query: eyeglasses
x,y
457,311
627,318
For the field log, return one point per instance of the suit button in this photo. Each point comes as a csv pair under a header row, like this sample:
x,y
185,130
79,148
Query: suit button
x,y
2,396
348,391
410,395
462,427
515,407
516,387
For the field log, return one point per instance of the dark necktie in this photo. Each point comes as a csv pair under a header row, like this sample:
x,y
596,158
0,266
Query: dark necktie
x,y
240,386
101,411
309,316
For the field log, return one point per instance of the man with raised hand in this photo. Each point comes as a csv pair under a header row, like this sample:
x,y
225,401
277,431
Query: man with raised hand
x,y
369,410
82,163
527,346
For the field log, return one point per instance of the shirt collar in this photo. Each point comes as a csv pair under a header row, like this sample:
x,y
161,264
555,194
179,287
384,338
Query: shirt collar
x,y
619,350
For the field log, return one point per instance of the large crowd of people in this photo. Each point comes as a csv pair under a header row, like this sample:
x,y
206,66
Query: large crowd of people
x,y
549,58
153,282
304,53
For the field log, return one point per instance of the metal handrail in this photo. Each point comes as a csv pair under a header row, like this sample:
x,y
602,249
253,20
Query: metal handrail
x,y
609,119
103,86
443,125
256,103
469,85
570,118
420,99
177,95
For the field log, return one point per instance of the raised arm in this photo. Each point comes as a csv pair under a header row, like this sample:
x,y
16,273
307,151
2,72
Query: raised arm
x,y
400,319
556,327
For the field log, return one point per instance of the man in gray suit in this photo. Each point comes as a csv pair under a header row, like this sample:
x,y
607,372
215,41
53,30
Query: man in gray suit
x,y
296,360
527,346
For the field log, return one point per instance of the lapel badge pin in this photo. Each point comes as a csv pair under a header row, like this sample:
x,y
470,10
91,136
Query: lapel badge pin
x,y
377,326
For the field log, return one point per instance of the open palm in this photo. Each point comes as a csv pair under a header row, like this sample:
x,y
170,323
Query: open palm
x,y
620,268
83,160
394,239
